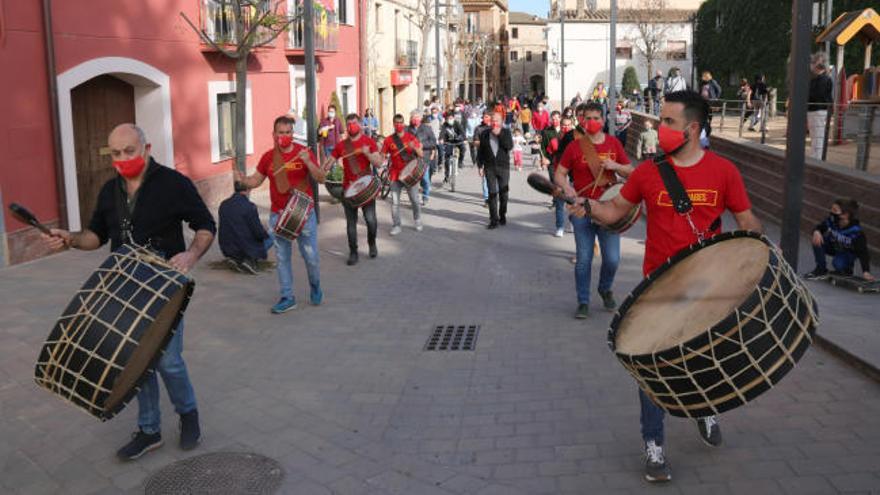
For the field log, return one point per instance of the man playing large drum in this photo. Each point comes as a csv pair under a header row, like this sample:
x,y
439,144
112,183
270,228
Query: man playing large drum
x,y
146,205
593,159
713,185
288,166
359,154
402,148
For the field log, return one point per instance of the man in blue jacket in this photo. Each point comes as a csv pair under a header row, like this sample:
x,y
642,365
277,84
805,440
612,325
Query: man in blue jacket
x,y
242,238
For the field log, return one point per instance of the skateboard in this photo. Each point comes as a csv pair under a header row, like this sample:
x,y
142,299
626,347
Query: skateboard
x,y
854,283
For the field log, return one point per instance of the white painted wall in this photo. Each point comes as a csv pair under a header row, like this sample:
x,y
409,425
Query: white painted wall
x,y
587,51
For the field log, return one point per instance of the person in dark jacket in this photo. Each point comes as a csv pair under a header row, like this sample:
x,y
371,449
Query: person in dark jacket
x,y
425,135
821,97
241,236
493,160
841,237
452,137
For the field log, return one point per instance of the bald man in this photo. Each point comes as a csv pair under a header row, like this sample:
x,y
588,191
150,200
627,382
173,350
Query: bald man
x,y
145,204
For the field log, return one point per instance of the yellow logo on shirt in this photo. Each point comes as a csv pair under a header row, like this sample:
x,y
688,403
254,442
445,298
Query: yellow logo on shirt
x,y
699,197
293,165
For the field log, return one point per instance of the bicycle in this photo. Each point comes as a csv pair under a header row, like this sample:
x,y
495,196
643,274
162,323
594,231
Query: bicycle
x,y
384,182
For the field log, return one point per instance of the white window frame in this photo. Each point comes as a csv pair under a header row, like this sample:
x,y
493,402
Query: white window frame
x,y
215,88
348,81
350,10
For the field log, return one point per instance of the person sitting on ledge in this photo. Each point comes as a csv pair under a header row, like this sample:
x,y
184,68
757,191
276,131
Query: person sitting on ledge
x,y
841,237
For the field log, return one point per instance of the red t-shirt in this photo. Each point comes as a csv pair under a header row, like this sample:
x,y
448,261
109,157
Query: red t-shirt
x,y
297,175
399,160
714,184
357,165
572,159
540,120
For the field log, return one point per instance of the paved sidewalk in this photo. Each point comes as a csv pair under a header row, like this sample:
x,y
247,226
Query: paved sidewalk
x,y
344,398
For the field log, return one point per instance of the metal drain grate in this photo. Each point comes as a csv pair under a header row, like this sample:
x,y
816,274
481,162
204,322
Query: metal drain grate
x,y
229,473
453,338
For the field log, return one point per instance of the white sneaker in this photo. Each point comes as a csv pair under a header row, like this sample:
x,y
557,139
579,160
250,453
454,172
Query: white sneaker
x,y
419,226
395,230
559,233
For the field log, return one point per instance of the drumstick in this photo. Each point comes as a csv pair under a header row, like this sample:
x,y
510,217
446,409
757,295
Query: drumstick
x,y
596,182
23,214
543,185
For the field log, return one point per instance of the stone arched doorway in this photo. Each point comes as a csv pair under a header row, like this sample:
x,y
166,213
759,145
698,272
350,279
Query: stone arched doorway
x,y
117,85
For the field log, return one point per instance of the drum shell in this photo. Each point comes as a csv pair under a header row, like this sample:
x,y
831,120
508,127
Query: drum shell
x,y
70,363
367,194
737,359
416,172
294,216
628,220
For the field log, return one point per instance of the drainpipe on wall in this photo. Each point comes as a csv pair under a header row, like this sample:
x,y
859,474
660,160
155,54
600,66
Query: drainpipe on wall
x,y
49,39
362,54
4,250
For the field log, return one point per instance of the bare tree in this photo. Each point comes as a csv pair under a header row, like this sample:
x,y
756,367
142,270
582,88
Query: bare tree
x,y
244,25
650,31
424,21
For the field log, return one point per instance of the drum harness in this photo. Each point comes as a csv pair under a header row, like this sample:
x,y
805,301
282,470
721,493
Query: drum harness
x,y
680,200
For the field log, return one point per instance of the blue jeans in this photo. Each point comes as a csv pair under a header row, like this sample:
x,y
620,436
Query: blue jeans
x,y
585,234
308,248
558,204
426,179
842,262
180,390
485,189
651,419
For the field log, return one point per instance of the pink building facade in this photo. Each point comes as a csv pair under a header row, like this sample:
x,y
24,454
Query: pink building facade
x,y
118,61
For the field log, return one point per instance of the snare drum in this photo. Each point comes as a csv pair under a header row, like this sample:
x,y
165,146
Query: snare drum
x,y
628,220
412,173
714,327
113,332
293,217
362,191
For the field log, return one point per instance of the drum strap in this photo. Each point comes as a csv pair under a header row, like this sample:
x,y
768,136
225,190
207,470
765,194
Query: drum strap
x,y
677,193
125,208
401,149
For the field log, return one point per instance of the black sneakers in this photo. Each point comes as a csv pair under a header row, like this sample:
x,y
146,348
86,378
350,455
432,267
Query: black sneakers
x,y
190,433
248,265
816,274
583,311
140,444
656,468
352,258
374,251
608,300
710,432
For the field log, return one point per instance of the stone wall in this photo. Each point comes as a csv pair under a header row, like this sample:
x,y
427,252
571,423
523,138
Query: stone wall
x,y
763,170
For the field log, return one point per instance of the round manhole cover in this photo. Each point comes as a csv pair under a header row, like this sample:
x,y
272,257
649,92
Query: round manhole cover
x,y
218,473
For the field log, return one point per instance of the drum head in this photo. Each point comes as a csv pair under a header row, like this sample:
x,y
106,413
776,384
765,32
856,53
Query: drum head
x,y
357,186
693,295
611,192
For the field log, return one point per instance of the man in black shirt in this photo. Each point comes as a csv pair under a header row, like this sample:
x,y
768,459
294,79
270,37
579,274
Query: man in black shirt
x,y
821,98
493,159
155,200
242,237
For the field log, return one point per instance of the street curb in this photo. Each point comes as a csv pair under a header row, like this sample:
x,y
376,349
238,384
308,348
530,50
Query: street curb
x,y
848,358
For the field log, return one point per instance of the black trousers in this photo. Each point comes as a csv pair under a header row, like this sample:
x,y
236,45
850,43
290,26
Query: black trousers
x,y
351,218
498,180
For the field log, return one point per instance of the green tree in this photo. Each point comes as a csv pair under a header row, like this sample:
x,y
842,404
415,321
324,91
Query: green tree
x,y
334,100
630,81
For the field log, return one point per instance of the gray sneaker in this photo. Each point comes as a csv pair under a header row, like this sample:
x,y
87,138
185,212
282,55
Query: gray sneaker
x,y
710,431
656,468
582,312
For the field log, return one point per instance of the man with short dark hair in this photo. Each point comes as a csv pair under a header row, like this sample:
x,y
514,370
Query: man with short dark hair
x,y
288,165
704,173
146,204
241,236
402,148
494,164
820,99
359,154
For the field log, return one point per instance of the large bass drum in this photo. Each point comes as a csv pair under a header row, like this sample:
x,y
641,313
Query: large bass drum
x,y
716,326
113,332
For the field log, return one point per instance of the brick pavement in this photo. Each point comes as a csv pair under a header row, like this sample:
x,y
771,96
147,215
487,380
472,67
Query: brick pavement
x,y
345,399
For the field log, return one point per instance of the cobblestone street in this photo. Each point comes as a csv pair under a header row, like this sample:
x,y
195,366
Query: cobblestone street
x,y
343,396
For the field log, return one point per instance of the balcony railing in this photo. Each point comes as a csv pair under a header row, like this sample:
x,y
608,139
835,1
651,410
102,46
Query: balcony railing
x,y
407,53
326,30
218,20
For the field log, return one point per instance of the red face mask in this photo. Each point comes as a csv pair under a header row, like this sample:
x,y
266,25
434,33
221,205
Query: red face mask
x,y
130,168
354,129
670,140
398,127
593,127
284,141
496,125
566,129
486,120
415,123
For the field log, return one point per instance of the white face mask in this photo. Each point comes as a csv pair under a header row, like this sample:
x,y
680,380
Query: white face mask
x,y
450,121
331,114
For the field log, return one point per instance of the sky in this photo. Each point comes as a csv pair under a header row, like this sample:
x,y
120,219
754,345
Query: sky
x,y
537,7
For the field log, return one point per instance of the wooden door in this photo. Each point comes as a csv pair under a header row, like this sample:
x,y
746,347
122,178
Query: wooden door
x,y
99,105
